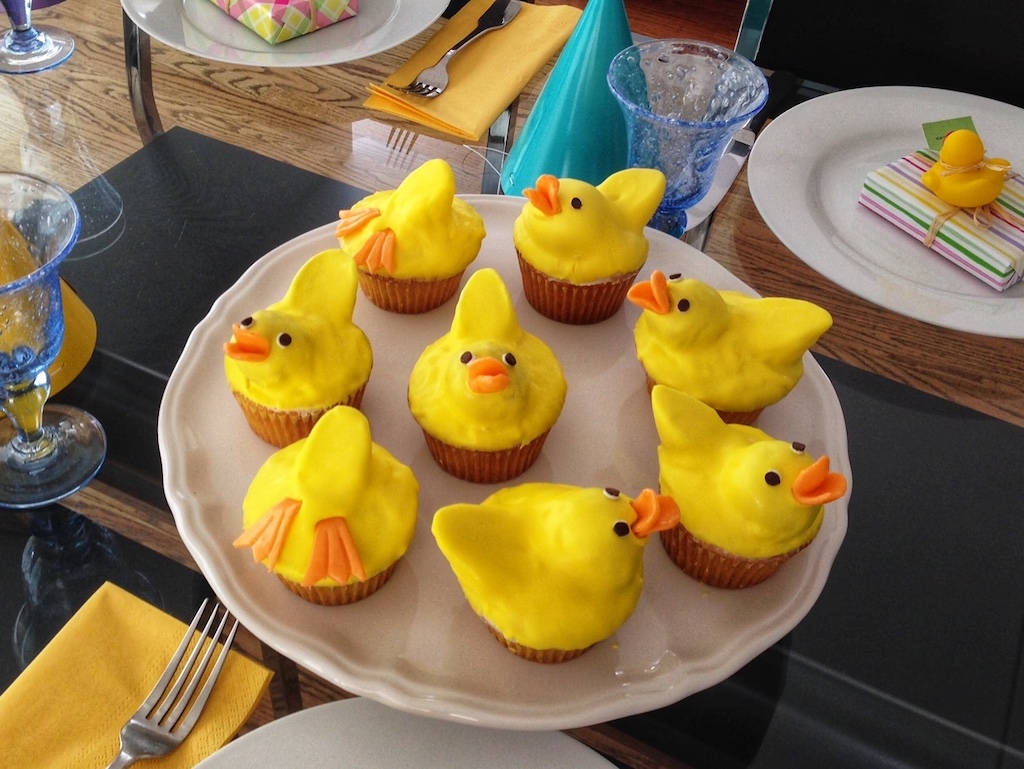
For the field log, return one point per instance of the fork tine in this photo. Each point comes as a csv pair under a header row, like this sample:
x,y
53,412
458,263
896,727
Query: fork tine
x,y
204,694
191,673
165,679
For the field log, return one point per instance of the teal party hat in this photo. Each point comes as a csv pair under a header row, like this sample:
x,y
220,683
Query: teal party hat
x,y
576,128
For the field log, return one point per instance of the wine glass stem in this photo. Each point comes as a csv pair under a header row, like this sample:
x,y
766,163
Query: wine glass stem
x,y
20,13
23,405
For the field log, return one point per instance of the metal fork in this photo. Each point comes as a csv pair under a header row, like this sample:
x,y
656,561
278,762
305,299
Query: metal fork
x,y
432,81
169,713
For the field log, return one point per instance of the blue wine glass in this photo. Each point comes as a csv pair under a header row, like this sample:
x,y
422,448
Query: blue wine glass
x,y
47,452
28,48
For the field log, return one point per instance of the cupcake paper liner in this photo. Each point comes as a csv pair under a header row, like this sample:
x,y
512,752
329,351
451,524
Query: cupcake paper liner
x,y
716,567
338,595
281,428
408,296
577,304
546,656
485,466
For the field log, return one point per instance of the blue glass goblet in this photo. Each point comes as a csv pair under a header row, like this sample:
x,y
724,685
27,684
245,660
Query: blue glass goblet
x,y
683,100
47,452
28,48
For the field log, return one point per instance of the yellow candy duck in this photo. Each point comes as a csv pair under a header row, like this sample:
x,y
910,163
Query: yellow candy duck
x,y
553,569
963,176
332,513
747,502
487,392
412,244
734,352
575,231
580,247
292,361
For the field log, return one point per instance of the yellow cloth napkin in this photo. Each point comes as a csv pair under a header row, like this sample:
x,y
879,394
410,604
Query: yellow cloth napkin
x,y
67,707
485,77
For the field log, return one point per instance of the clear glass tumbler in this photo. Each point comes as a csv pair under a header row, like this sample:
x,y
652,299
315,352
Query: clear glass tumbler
x,y
683,101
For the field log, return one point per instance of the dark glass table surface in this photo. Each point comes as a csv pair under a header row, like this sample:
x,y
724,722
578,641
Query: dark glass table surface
x,y
912,655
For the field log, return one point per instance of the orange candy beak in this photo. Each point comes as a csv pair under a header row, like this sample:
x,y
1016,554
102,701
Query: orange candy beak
x,y
655,512
247,346
816,485
652,294
487,375
545,197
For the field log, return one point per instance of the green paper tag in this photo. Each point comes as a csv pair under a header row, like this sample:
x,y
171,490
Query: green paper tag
x,y
935,133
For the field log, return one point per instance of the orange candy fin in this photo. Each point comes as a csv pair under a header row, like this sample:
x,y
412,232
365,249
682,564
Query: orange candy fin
x,y
652,294
267,535
378,252
334,554
353,219
816,485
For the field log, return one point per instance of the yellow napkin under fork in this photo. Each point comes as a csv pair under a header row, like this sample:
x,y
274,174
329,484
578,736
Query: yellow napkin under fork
x,y
66,709
485,77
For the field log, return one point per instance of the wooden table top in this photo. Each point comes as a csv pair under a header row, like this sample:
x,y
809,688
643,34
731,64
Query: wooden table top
x,y
74,122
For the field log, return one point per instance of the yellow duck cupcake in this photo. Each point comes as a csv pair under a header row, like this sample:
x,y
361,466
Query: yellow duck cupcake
x,y
747,502
580,247
736,353
288,364
552,569
331,514
413,244
487,393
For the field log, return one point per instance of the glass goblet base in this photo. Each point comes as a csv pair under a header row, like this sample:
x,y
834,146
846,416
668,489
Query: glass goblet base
x,y
35,49
79,448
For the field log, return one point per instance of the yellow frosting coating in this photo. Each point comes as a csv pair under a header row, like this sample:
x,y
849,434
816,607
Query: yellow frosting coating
x,y
338,472
432,234
732,351
487,384
552,566
312,355
737,487
964,177
574,231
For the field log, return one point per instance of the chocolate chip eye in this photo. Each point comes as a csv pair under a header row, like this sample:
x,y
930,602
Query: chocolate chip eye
x,y
611,493
509,358
798,447
683,305
246,322
772,478
621,528
675,276
284,339
466,357
576,203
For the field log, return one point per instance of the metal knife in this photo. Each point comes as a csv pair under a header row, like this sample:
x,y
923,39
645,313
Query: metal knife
x,y
781,85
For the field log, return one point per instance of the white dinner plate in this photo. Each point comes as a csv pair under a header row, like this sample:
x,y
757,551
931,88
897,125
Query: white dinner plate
x,y
416,645
361,734
199,27
806,171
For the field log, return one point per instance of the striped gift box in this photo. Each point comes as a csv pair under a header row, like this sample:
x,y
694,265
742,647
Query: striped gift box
x,y
989,245
279,20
